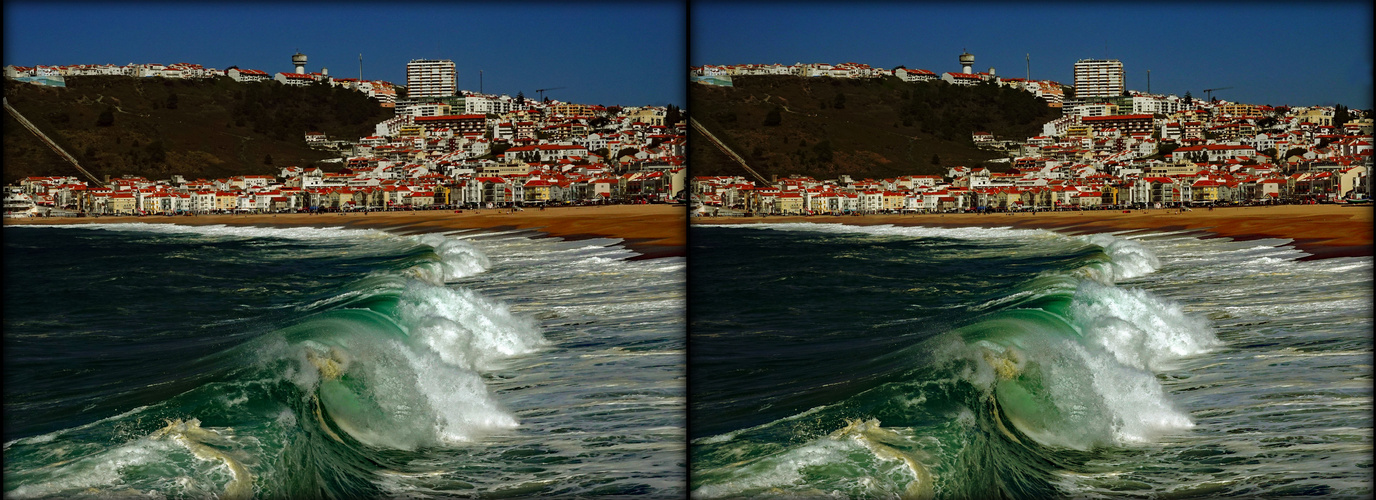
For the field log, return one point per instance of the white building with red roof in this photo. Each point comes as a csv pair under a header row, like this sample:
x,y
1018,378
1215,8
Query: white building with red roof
x,y
247,75
294,79
914,75
965,79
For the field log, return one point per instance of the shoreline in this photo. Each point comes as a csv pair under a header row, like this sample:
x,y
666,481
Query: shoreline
x,y
652,231
1322,231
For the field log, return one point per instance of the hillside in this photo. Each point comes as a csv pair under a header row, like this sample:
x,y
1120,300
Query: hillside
x,y
196,128
825,127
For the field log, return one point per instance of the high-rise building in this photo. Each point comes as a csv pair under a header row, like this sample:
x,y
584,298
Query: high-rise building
x,y
430,78
1098,78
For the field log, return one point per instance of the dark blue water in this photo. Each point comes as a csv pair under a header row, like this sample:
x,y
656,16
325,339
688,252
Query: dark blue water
x,y
90,312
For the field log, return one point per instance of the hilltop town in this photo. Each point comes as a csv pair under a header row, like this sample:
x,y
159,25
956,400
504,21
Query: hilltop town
x,y
1110,146
442,147
385,92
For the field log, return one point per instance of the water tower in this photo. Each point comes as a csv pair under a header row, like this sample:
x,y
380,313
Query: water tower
x,y
299,60
967,60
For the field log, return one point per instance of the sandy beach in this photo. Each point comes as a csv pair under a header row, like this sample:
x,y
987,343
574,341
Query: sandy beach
x,y
651,230
1323,231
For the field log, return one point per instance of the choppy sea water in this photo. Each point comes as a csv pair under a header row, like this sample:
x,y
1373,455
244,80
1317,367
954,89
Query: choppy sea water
x,y
879,362
188,362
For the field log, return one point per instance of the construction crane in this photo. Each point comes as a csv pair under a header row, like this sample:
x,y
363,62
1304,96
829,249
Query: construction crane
x,y
542,92
1208,93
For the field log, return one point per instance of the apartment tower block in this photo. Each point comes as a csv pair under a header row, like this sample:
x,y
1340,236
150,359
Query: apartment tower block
x,y
1098,78
430,78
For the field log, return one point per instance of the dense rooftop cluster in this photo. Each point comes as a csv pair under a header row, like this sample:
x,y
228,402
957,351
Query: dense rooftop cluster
x,y
466,150
1136,149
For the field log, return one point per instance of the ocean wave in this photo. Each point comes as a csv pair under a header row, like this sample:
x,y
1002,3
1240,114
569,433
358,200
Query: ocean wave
x,y
1061,364
1080,375
969,233
394,361
459,259
1127,258
464,328
406,373
1140,329
224,231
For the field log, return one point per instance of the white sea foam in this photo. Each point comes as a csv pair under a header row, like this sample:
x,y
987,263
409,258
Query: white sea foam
x,y
424,388
780,470
224,231
366,387
463,405
459,259
966,233
722,438
1064,393
196,439
1129,259
1141,330
44,438
1138,407
465,328
1126,335
98,474
1096,388
860,465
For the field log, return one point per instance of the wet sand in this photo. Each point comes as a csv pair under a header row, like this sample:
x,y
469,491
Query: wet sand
x,y
653,231
1323,231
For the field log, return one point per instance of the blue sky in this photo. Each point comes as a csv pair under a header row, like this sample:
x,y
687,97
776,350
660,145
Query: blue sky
x,y
616,53
1269,53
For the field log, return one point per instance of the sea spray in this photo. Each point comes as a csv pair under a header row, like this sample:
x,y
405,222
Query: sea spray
x,y
222,232
1110,337
970,233
1127,258
1140,329
414,380
464,328
458,259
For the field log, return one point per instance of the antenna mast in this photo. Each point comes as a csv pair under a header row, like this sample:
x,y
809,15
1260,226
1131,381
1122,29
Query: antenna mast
x,y
1029,67
360,68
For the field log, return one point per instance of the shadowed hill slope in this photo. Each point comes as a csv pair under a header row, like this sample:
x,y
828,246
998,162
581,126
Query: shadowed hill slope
x,y
825,127
156,127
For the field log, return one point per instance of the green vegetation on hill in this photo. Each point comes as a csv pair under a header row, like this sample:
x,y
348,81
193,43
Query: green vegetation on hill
x,y
826,127
157,127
